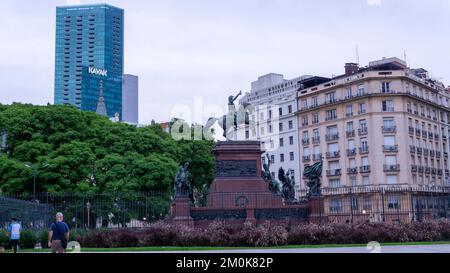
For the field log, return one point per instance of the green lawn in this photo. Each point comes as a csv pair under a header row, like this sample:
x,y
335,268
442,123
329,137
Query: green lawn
x,y
147,249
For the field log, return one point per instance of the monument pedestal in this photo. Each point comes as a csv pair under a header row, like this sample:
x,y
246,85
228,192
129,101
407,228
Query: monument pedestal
x,y
181,211
317,208
238,182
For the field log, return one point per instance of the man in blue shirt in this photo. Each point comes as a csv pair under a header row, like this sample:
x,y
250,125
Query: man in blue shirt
x,y
58,235
14,230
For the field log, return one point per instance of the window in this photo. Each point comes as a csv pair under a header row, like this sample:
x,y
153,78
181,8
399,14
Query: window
x,y
348,93
280,126
365,161
305,121
290,109
332,130
305,135
361,90
291,140
330,97
362,108
317,150
262,131
390,123
390,160
351,144
281,157
352,163
364,144
366,180
315,118
367,204
331,114
349,110
354,203
389,141
291,156
335,183
387,106
386,87
314,101
394,202
281,142
247,134
363,125
350,127
270,114
316,133
353,181
333,147
280,111
291,124
306,152
270,128
391,179
272,159
304,104
336,205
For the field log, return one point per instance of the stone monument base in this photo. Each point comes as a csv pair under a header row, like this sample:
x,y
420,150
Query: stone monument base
x,y
238,194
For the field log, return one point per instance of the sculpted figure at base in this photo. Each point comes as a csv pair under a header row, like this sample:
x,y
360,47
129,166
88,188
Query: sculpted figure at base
x,y
313,174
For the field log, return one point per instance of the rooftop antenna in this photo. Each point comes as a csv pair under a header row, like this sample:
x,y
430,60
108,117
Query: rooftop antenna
x,y
357,54
404,57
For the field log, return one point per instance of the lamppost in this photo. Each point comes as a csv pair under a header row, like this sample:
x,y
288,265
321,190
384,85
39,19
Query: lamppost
x,y
35,168
88,206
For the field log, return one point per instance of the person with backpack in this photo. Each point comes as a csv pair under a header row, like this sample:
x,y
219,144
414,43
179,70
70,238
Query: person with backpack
x,y
58,235
14,230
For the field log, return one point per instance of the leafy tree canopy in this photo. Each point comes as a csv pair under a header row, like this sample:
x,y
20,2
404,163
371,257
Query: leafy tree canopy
x,y
75,151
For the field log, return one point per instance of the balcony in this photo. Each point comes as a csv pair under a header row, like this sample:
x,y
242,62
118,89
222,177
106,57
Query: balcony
x,y
362,131
364,150
336,172
424,134
316,140
331,155
430,135
444,138
418,132
419,151
432,153
433,171
317,157
414,168
440,172
328,118
352,170
331,137
389,129
391,168
361,112
416,112
412,149
306,158
351,152
438,154
304,124
305,141
411,130
350,133
364,169
445,154
409,110
426,152
436,137
349,114
427,170
390,148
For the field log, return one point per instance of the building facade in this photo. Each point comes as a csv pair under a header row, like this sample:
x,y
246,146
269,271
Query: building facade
x,y
275,122
382,133
130,99
89,58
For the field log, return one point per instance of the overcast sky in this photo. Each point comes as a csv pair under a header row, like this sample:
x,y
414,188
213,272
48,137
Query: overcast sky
x,y
210,49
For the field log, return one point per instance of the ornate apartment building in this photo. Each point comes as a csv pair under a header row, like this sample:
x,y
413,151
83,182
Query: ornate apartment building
x,y
275,121
382,132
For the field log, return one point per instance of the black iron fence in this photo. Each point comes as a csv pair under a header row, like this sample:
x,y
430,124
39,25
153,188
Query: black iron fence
x,y
86,211
385,203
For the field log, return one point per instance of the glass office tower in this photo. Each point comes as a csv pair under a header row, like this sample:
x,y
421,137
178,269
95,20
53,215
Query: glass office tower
x,y
89,58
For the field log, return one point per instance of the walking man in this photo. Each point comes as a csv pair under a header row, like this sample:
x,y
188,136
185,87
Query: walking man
x,y
14,230
58,235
